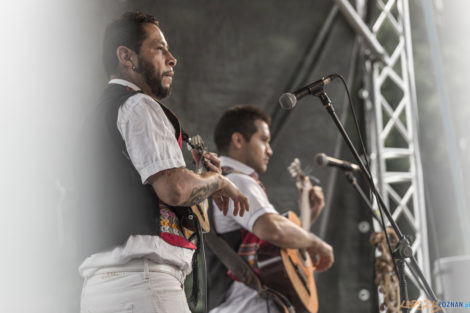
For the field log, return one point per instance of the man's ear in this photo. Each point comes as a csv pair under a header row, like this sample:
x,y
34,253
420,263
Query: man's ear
x,y
238,141
126,57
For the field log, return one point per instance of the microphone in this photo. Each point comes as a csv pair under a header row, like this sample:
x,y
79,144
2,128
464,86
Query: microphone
x,y
324,160
288,100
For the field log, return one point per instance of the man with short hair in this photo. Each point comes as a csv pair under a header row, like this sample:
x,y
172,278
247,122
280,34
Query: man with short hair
x,y
242,137
148,230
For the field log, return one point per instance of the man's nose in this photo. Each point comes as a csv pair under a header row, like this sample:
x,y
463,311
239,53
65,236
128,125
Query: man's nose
x,y
269,150
171,60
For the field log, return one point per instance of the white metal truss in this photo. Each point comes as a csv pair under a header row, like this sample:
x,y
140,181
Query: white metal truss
x,y
397,160
392,123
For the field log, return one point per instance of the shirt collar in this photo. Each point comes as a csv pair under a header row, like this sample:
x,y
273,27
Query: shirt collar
x,y
124,82
236,165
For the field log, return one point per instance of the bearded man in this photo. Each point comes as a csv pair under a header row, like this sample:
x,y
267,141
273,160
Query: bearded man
x,y
139,223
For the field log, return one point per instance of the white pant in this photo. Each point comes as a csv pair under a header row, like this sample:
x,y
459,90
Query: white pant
x,y
242,299
137,287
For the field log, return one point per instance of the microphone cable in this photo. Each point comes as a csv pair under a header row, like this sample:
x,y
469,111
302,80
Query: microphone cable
x,y
364,152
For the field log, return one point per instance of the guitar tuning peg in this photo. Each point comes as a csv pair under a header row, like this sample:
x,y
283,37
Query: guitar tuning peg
x,y
308,170
188,146
292,171
314,179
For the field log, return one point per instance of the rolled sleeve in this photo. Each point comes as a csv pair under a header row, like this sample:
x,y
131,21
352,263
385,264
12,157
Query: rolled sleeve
x,y
258,201
149,136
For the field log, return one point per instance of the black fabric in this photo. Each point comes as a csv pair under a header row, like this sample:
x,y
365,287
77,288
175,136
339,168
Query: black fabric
x,y
113,202
195,285
173,119
218,281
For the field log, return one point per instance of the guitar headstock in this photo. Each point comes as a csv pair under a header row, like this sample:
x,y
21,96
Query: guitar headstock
x,y
295,170
196,142
301,176
197,147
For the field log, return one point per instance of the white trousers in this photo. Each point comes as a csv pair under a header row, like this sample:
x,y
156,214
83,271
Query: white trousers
x,y
137,287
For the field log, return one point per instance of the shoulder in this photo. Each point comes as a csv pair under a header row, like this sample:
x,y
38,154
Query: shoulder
x,y
248,186
241,179
140,100
140,105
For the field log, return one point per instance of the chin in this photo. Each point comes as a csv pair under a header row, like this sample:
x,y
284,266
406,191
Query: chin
x,y
162,92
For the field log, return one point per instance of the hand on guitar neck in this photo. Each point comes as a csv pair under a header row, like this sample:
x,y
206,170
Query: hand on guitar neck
x,y
316,202
310,207
209,162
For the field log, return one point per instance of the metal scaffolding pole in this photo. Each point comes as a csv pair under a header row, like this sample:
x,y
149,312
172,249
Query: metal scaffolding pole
x,y
395,156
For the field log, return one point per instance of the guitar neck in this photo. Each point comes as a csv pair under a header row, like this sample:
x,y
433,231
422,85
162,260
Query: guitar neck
x,y
305,213
201,166
304,185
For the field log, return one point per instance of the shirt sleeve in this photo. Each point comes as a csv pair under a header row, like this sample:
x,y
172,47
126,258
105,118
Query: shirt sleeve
x,y
149,136
259,205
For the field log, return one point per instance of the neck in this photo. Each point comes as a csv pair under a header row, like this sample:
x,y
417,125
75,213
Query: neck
x,y
236,156
136,79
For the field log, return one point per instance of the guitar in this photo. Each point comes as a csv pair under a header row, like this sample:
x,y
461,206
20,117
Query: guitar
x,y
197,145
290,271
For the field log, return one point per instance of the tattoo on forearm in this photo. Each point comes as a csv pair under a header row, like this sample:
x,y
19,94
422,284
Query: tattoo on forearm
x,y
200,194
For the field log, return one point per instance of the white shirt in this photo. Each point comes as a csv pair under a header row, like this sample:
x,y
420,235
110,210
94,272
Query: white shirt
x,y
152,147
239,297
257,198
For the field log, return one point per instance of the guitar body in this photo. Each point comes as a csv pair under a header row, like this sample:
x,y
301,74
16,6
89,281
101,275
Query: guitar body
x,y
290,272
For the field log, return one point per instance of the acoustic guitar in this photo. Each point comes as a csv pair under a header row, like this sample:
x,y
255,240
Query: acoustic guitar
x,y
290,271
196,145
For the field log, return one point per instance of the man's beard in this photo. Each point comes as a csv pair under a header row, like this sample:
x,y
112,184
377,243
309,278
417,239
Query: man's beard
x,y
153,80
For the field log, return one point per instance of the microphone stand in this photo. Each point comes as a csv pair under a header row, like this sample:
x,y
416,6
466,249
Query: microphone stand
x,y
403,249
352,179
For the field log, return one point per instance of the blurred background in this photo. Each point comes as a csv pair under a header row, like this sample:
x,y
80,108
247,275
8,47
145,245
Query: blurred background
x,y
232,52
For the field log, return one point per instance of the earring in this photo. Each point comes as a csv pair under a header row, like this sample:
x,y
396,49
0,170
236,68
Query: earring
x,y
133,68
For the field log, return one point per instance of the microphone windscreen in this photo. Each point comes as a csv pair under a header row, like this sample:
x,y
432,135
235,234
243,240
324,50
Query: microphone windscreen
x,y
321,159
287,101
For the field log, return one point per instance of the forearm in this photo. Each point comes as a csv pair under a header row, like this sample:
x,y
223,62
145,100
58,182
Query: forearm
x,y
182,187
283,233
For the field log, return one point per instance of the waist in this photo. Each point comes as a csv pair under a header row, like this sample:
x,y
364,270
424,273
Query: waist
x,y
145,266
138,248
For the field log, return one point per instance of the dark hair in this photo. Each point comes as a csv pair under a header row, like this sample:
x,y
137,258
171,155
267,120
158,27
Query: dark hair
x,y
127,31
238,119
